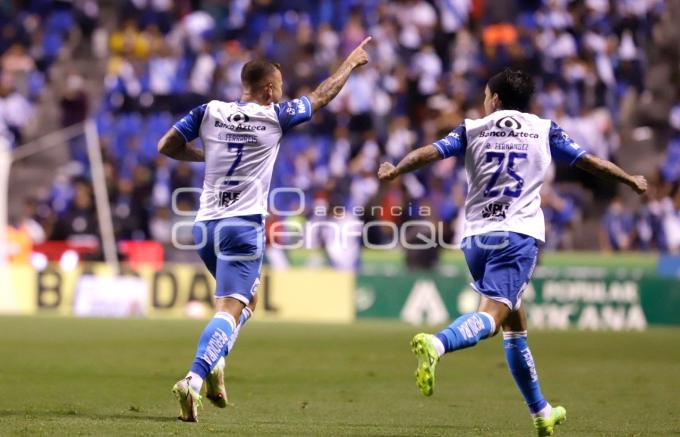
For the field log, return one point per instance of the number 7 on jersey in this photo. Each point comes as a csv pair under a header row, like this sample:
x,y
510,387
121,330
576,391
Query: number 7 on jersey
x,y
238,148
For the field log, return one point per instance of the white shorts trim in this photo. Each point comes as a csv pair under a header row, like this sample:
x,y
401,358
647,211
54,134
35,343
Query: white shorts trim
x,y
239,297
502,300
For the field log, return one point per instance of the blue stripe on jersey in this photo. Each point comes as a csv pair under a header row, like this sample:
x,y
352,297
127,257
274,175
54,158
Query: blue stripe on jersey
x,y
294,112
454,144
562,147
189,125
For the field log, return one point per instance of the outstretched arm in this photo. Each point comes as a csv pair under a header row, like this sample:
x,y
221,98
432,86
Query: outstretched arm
x,y
329,88
173,145
608,170
412,161
454,144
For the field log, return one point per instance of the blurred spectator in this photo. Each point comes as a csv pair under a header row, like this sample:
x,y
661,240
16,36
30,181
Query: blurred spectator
x,y
617,227
30,220
15,109
671,222
79,220
560,213
74,109
670,169
19,244
421,253
23,231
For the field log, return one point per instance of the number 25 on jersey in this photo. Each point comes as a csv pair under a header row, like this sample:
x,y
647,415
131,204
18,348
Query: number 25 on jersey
x,y
509,168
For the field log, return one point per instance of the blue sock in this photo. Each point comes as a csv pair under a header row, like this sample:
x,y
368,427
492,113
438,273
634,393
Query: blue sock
x,y
212,345
466,331
521,365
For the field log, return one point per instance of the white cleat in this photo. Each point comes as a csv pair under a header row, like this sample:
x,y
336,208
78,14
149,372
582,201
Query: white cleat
x,y
214,386
189,400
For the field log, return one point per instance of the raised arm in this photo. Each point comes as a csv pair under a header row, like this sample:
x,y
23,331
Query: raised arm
x,y
329,88
412,161
454,144
173,145
608,170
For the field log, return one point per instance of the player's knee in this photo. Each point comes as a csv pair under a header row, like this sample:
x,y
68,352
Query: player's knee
x,y
229,305
496,327
495,331
253,302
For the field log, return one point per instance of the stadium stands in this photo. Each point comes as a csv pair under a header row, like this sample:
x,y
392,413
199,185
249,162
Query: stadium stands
x,y
430,62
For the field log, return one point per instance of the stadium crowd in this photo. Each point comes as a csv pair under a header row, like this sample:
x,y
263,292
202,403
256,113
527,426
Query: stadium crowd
x,y
430,61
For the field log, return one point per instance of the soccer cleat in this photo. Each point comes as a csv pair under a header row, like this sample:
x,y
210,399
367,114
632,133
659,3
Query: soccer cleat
x,y
421,345
546,425
189,400
214,386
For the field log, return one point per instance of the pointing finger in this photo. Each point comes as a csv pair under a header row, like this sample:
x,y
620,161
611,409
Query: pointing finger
x,y
365,41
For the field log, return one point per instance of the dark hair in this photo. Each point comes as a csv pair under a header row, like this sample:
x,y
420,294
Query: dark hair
x,y
514,88
256,71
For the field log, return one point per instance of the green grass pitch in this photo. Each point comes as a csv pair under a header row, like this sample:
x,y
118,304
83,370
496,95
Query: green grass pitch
x,y
62,376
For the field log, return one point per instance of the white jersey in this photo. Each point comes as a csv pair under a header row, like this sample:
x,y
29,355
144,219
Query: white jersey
x,y
241,142
507,155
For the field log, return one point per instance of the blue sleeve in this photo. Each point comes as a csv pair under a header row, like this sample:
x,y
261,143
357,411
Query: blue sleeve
x,y
562,147
454,144
294,112
189,125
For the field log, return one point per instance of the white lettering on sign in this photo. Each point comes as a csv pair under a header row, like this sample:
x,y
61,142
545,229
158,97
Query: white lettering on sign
x,y
617,318
591,291
550,316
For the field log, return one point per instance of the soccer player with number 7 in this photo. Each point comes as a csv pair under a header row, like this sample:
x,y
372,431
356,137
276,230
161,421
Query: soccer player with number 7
x,y
506,154
240,143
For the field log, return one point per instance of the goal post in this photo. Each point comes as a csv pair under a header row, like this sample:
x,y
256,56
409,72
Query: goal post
x,y
101,195
60,138
6,294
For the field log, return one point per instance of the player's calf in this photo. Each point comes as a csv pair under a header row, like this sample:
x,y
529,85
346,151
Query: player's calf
x,y
466,331
215,389
212,346
523,370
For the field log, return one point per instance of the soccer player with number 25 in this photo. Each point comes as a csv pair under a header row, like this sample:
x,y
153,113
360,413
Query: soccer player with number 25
x,y
506,154
240,144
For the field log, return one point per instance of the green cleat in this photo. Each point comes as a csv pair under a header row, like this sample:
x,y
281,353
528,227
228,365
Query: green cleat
x,y
214,386
546,426
421,345
189,401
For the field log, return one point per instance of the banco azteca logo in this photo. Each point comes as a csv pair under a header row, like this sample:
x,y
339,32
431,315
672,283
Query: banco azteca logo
x,y
508,122
238,117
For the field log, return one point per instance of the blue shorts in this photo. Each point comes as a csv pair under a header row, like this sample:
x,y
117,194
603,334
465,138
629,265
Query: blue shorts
x,y
501,265
232,249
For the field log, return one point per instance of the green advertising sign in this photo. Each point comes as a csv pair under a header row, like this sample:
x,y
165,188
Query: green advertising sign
x,y
555,299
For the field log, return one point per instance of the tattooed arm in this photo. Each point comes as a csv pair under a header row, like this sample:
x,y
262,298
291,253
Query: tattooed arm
x,y
175,146
329,88
414,160
604,169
